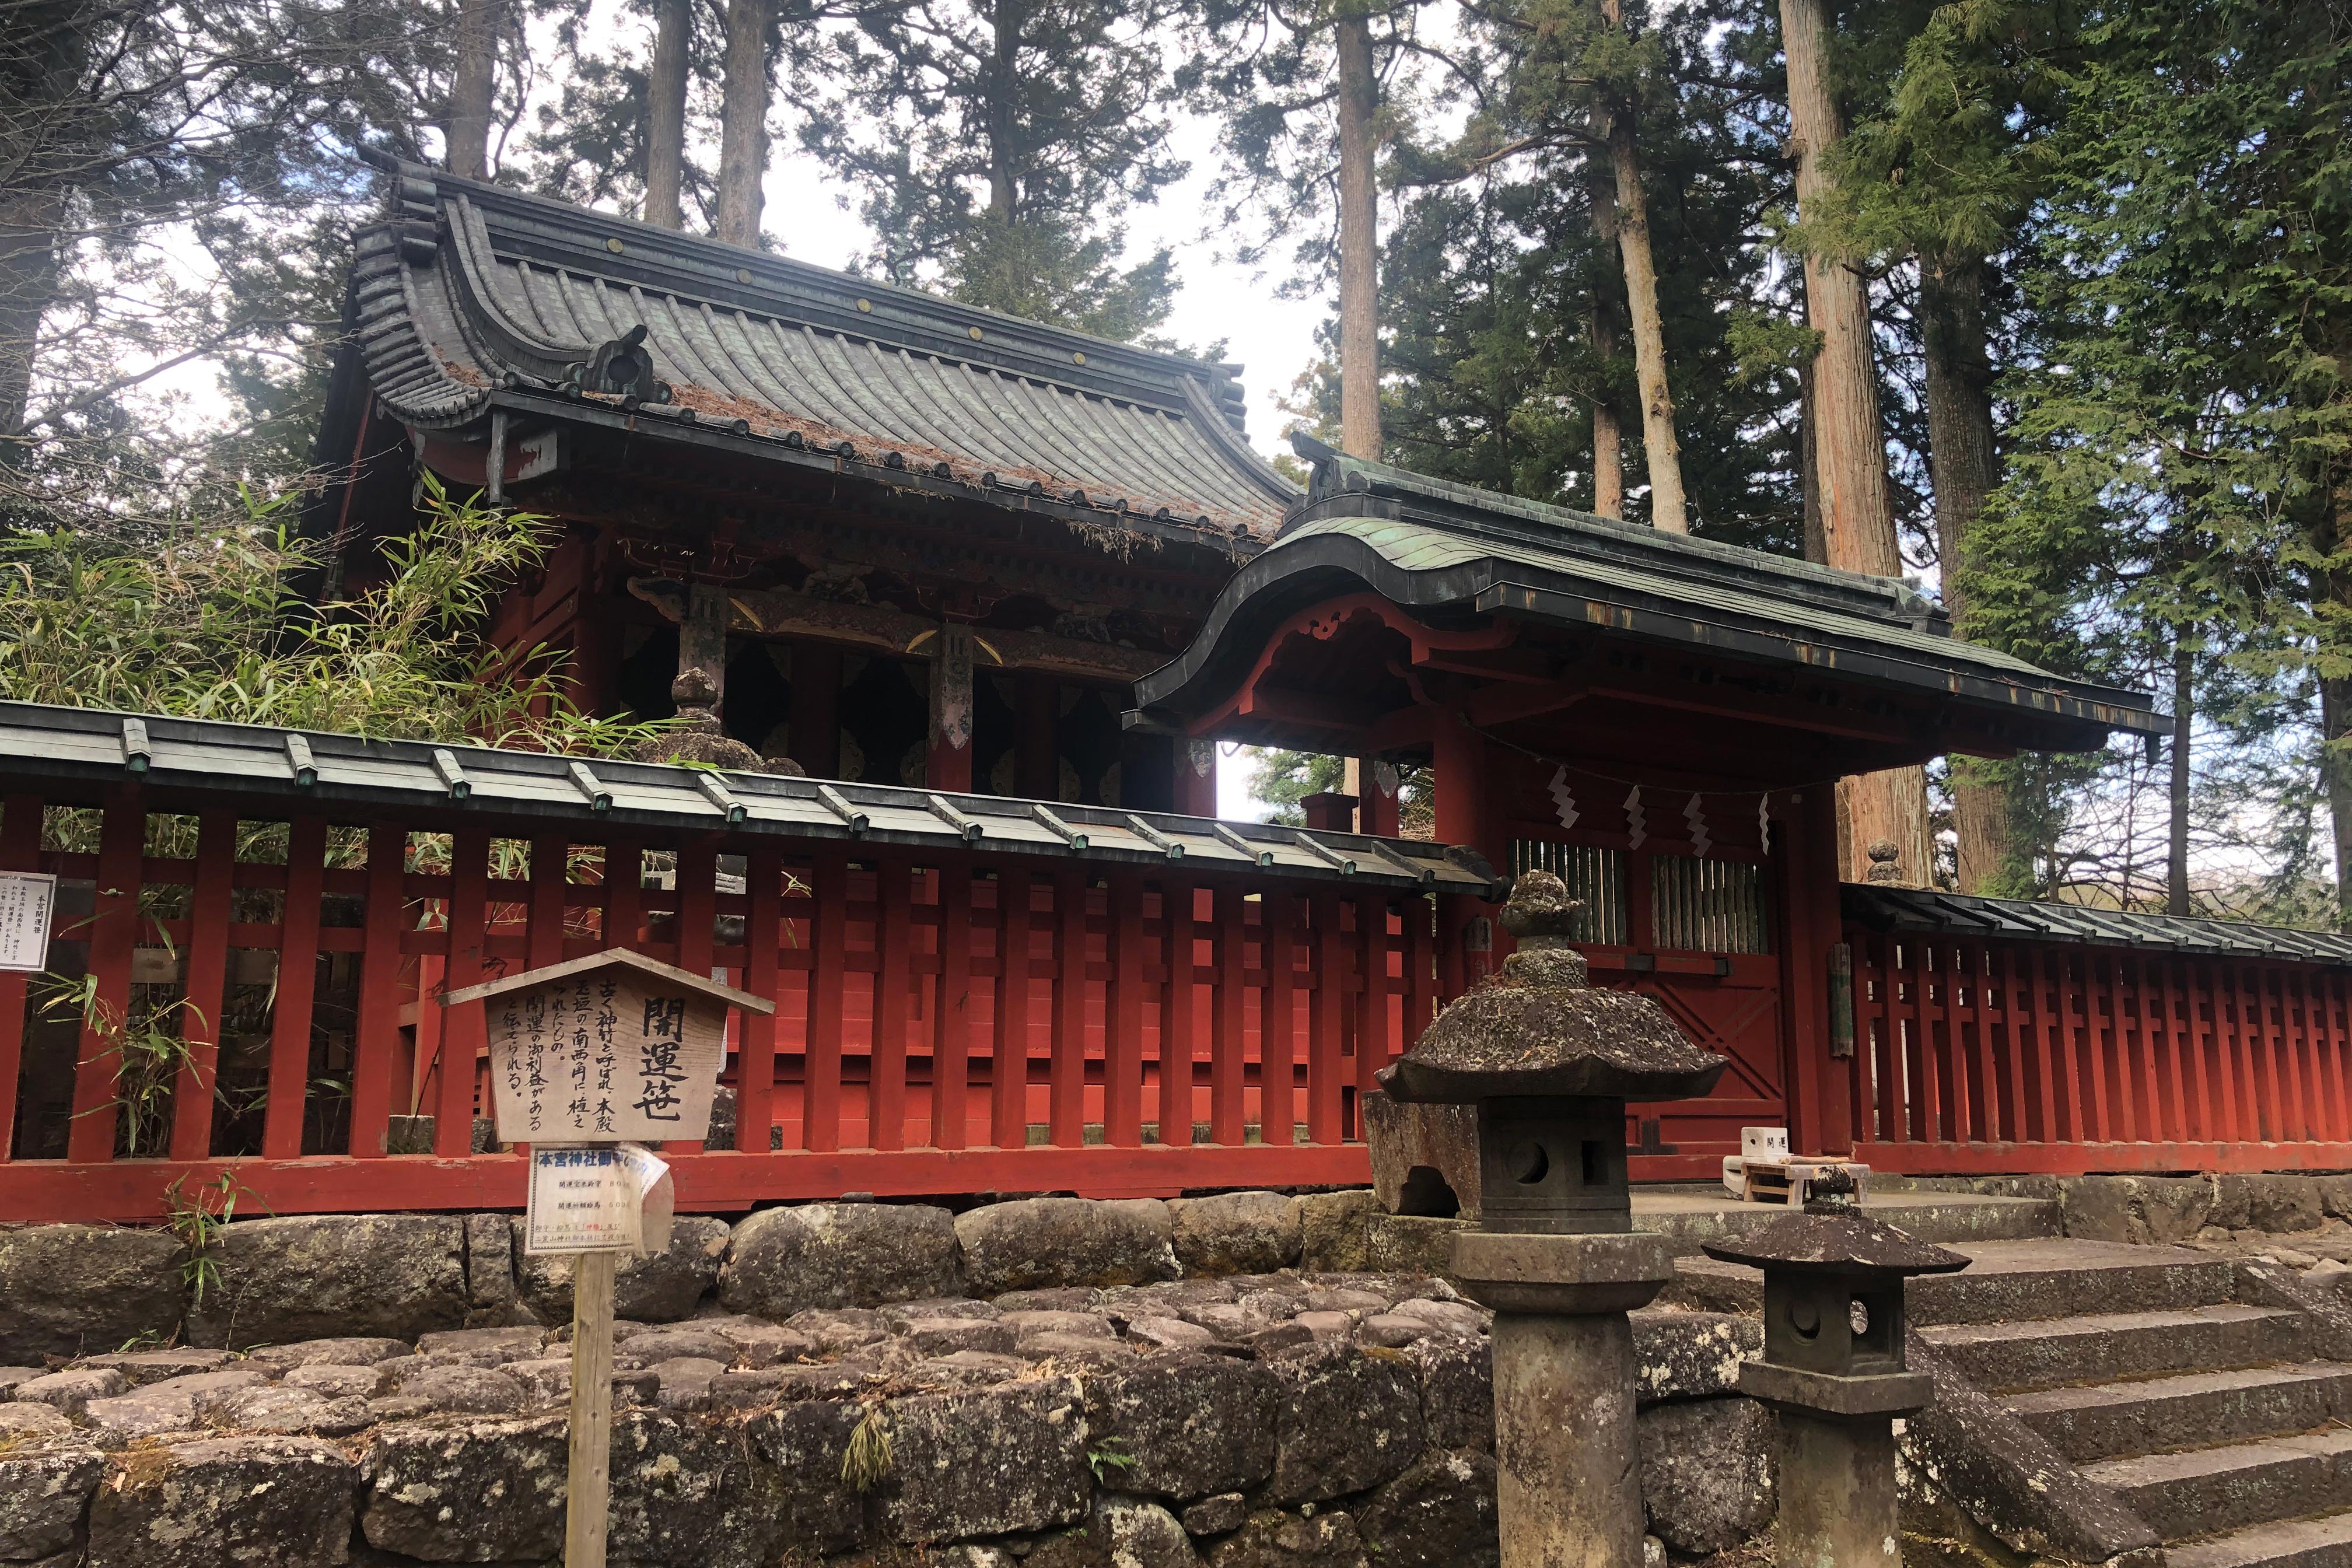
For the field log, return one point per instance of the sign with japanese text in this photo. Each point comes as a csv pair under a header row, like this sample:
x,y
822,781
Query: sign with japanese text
x,y
597,1198
28,902
612,1048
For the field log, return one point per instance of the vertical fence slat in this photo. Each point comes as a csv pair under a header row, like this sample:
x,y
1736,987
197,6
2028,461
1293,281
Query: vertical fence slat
x,y
1066,1086
297,978
894,937
1228,1037
1926,1076
2197,1103
1376,1034
2019,1124
1894,1092
113,932
1008,1110
2227,1066
1123,1016
2178,1041
696,936
464,1036
2255,1021
379,1021
2127,1048
1327,1001
1179,1014
952,1037
1420,969
755,1061
209,907
551,875
20,850
1278,1022
2332,1018
2041,1107
829,939
625,895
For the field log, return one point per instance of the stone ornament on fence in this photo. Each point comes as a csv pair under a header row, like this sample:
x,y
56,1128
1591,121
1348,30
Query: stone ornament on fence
x,y
612,1048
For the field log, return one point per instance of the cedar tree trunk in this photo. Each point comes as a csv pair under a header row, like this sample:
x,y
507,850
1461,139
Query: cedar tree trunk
x,y
2184,708
1659,448
1850,444
1608,429
1360,243
665,115
480,22
1965,468
743,122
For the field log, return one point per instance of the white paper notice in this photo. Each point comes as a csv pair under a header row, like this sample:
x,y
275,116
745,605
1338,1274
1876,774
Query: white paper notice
x,y
589,1199
28,900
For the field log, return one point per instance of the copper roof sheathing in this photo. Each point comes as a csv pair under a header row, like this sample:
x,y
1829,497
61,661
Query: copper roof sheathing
x,y
1927,911
472,295
81,755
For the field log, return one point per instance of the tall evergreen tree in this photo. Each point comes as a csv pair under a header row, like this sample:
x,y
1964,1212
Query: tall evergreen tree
x,y
999,142
2188,399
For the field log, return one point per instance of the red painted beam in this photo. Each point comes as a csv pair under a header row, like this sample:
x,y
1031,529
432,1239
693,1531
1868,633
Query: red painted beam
x,y
132,1189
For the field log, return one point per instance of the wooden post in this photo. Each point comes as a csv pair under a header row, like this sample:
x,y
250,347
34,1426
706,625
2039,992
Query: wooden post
x,y
950,761
585,1513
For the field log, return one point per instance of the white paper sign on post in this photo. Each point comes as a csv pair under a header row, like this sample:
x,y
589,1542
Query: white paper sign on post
x,y
28,903
612,1048
597,1198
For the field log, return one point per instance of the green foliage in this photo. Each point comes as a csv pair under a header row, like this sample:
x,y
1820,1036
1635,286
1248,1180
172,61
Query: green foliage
x,y
866,1459
1109,1455
997,143
2182,423
207,619
149,1057
197,1217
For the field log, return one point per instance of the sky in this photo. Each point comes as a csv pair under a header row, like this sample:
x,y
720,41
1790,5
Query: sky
x,y
812,216
1272,339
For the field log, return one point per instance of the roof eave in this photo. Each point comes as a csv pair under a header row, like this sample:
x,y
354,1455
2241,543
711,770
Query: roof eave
x,y
663,425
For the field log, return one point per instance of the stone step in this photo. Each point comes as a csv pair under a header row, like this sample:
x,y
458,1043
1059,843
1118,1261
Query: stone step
x,y
2324,1543
2205,1490
2014,1357
2202,1407
1690,1217
2009,1281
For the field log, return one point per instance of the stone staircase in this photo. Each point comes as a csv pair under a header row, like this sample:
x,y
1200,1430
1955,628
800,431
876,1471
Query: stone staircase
x,y
2215,1421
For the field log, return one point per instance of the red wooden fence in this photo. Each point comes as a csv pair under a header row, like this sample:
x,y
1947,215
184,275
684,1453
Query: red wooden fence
x,y
245,993
1975,1054
948,1020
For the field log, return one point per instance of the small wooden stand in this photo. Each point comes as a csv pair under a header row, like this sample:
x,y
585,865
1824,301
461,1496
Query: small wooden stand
x,y
587,1055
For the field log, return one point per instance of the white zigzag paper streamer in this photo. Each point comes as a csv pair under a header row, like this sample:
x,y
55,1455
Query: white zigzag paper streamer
x,y
1635,825
1764,821
1695,815
1565,798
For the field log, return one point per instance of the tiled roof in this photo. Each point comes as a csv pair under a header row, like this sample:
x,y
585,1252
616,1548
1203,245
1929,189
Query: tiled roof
x,y
84,752
472,294
1960,914
1427,544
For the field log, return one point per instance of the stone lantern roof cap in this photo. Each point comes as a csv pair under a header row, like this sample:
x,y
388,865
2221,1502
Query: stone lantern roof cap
x,y
1540,1028
1833,1236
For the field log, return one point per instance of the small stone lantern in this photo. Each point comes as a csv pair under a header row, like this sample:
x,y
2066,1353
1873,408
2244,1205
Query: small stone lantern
x,y
1833,1367
1551,1062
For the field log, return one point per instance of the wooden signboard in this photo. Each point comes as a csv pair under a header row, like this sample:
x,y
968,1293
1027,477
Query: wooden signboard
x,y
588,1061
612,1048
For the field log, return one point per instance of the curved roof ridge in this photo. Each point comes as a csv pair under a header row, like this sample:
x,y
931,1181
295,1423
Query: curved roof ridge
x,y
469,292
1338,473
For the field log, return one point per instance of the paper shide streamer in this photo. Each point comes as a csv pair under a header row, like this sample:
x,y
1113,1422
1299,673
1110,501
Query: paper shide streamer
x,y
1564,798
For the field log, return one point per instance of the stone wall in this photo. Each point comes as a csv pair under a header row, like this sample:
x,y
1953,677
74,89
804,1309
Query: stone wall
x,y
1063,1383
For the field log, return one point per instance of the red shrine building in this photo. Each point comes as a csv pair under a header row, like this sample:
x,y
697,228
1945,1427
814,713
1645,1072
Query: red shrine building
x,y
910,542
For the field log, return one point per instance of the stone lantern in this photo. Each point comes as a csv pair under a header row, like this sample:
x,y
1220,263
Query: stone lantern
x,y
1833,1367
1551,1062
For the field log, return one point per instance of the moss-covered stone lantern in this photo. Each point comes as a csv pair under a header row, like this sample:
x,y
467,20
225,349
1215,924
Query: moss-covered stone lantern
x,y
1550,1063
1835,1368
